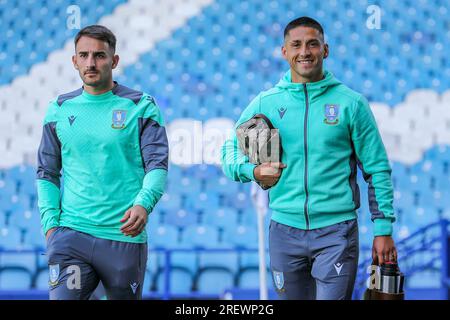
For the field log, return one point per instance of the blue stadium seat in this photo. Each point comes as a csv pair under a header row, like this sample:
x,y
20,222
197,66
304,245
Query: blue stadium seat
x,y
422,216
11,238
442,198
223,217
185,259
2,220
181,217
147,285
8,188
162,236
241,200
221,185
23,259
201,236
424,280
41,279
34,236
22,174
181,281
207,237
249,218
15,278
249,279
228,260
167,237
203,171
169,201
26,219
403,198
242,236
205,201
213,66
214,281
186,184
154,260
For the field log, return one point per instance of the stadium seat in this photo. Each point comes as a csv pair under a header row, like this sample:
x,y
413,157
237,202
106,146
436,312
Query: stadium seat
x,y
180,281
214,281
181,217
26,219
207,62
204,201
187,185
11,238
23,259
40,281
221,185
200,236
154,260
15,278
242,236
241,200
249,279
147,286
162,236
170,201
223,217
424,280
8,188
207,237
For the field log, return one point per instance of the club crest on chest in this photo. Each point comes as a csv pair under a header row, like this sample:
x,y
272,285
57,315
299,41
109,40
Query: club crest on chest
x,y
331,114
118,119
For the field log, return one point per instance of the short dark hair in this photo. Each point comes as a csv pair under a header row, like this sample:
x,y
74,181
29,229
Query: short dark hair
x,y
97,32
303,21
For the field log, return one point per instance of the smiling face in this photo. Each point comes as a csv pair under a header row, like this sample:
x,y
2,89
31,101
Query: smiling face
x,y
304,49
94,60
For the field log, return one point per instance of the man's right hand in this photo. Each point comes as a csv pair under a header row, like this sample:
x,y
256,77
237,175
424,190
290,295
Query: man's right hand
x,y
268,173
49,232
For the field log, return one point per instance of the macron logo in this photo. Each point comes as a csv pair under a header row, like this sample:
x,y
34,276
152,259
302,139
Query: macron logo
x,y
281,112
71,119
338,267
134,286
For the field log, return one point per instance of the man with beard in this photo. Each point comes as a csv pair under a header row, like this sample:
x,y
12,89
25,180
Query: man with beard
x,y
326,130
111,144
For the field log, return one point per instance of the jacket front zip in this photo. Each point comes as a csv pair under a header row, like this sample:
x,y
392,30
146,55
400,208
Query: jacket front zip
x,y
305,132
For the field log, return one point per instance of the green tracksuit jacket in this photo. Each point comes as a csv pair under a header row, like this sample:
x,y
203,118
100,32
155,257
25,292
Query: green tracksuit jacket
x,y
326,130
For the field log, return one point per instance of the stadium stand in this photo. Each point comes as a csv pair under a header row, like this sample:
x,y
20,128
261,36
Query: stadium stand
x,y
203,61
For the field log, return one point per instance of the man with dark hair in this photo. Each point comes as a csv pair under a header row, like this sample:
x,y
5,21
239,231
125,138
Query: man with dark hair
x,y
100,33
327,130
111,144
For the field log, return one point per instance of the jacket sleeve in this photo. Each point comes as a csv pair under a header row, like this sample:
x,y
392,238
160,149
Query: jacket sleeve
x,y
48,172
155,154
374,164
235,164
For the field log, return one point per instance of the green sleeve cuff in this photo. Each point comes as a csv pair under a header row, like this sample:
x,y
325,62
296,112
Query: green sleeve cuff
x,y
50,224
152,189
144,204
247,170
49,204
382,227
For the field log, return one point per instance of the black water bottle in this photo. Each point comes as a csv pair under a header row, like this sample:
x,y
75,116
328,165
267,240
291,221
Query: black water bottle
x,y
391,279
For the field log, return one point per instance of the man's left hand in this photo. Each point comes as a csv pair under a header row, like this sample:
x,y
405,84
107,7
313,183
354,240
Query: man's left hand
x,y
136,219
383,249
